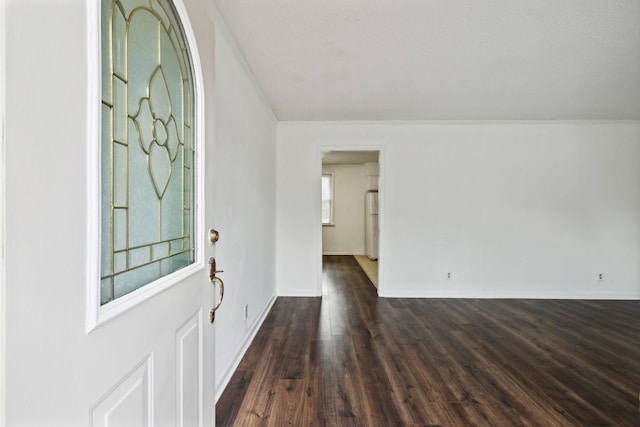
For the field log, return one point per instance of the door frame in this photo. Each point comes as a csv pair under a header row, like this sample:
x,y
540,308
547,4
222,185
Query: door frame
x,y
381,204
2,220
95,313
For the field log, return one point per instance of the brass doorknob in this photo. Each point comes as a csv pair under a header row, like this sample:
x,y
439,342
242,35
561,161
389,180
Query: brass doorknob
x,y
212,313
214,279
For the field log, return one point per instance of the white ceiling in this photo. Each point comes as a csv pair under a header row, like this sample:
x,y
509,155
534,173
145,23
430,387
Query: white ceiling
x,y
442,59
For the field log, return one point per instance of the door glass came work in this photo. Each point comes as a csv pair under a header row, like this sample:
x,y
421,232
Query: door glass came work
x,y
147,149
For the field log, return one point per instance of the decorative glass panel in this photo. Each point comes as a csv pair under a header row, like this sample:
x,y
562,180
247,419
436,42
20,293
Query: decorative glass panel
x,y
147,146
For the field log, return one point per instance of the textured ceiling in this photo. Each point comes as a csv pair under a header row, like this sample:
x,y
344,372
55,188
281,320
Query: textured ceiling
x,y
442,59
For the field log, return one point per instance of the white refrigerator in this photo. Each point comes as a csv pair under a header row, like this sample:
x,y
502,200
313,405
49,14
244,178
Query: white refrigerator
x,y
371,224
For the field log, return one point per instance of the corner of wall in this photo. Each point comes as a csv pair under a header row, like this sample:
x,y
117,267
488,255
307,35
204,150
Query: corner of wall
x,y
221,26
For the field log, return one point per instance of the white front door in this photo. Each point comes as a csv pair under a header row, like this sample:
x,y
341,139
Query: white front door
x,y
151,363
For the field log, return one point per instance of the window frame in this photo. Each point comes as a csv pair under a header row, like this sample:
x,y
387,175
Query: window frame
x,y
332,199
96,313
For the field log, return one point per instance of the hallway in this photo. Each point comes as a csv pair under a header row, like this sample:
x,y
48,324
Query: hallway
x,y
350,358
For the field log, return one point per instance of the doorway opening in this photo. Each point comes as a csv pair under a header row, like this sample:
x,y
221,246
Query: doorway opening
x,y
351,208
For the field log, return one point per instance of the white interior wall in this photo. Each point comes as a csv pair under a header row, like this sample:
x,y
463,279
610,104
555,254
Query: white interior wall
x,y
511,209
244,181
346,235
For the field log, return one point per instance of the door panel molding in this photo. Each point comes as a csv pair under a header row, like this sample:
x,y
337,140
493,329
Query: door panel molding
x,y
189,368
130,401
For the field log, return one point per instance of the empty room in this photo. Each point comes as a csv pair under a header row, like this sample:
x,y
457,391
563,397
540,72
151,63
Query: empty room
x,y
320,213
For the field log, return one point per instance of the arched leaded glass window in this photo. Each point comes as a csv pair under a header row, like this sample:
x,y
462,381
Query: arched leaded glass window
x,y
147,152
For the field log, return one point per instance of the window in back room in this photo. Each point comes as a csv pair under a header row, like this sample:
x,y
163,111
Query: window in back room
x,y
327,199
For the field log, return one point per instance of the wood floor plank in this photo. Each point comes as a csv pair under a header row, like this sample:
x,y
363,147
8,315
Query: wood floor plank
x,y
321,410
229,403
353,359
294,354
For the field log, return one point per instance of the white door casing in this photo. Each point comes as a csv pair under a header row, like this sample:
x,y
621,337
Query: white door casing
x,y
151,364
381,188
2,204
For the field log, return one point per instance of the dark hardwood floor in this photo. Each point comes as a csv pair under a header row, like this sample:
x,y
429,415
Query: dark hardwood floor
x,y
350,358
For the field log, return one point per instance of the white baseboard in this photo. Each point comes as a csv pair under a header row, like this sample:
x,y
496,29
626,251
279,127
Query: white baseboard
x,y
342,253
298,293
521,294
224,381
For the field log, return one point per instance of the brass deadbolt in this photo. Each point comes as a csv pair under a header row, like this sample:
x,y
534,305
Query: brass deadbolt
x,y
213,235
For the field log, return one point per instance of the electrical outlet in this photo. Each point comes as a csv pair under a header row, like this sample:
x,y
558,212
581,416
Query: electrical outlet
x,y
449,275
600,276
246,311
